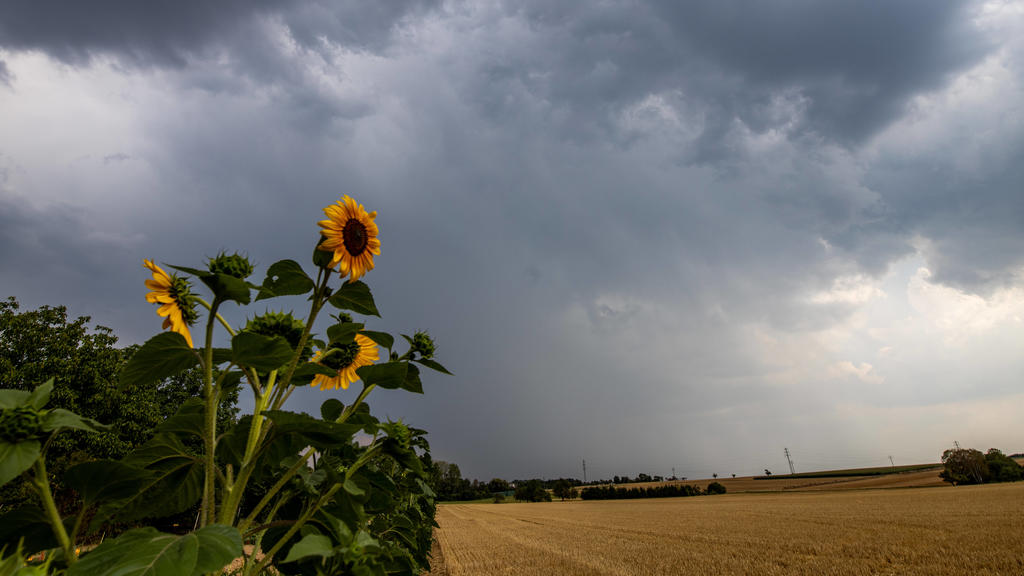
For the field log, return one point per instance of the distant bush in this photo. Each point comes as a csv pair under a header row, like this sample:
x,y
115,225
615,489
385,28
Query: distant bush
x,y
665,491
499,498
532,491
715,488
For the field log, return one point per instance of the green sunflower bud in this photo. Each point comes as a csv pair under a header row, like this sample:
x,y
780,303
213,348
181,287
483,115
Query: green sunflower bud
x,y
423,345
281,324
234,265
19,424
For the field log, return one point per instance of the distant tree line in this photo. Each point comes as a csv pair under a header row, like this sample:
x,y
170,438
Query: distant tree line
x,y
664,491
970,466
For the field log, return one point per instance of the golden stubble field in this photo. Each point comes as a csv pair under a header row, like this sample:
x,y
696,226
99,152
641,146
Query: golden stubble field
x,y
967,530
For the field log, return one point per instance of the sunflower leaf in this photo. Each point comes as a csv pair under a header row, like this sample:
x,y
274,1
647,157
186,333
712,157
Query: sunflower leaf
x,y
226,287
355,296
343,332
61,418
389,375
412,380
162,356
433,365
41,394
285,278
16,458
305,373
105,480
260,352
383,338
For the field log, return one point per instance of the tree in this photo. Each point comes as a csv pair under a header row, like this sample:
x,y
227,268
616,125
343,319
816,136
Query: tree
x,y
964,466
733,474
532,491
563,489
715,488
767,472
497,485
715,475
1002,468
41,344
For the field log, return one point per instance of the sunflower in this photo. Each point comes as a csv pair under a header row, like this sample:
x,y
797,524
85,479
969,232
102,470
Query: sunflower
x,y
345,358
351,234
173,294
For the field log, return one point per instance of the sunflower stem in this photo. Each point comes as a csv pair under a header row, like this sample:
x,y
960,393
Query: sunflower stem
x,y
42,482
281,482
209,505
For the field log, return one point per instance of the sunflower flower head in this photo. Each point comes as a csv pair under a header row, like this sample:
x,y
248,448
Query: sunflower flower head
x,y
20,423
234,265
350,234
346,358
281,324
174,295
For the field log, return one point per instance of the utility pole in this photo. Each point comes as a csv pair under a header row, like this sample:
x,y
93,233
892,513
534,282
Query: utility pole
x,y
893,464
584,471
673,472
792,469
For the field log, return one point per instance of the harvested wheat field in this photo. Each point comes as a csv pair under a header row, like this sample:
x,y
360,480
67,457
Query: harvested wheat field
x,y
974,530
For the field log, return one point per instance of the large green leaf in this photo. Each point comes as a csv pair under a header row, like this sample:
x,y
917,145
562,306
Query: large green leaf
x,y
148,552
285,278
218,546
16,458
389,375
433,365
355,296
331,409
61,418
223,286
310,545
162,356
412,380
106,480
383,338
260,352
189,419
31,526
317,433
13,398
41,394
343,332
305,373
176,483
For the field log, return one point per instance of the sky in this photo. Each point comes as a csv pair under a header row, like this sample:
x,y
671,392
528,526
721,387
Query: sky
x,y
651,235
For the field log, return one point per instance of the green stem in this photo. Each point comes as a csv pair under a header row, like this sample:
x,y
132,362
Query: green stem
x,y
351,409
42,482
295,528
209,505
217,315
234,490
275,489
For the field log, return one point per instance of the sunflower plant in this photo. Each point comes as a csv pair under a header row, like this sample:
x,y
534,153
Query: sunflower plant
x,y
278,492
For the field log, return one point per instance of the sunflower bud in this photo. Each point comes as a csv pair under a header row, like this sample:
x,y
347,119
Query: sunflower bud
x,y
281,324
234,265
19,424
423,345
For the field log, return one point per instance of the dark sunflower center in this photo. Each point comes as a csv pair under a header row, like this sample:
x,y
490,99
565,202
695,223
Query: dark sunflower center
x,y
342,356
355,237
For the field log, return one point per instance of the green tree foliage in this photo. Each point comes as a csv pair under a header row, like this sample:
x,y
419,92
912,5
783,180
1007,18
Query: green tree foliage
x,y
621,493
532,491
964,466
715,488
970,466
563,489
38,345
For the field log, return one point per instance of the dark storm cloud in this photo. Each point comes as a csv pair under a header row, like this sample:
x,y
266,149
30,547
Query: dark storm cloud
x,y
851,65
167,33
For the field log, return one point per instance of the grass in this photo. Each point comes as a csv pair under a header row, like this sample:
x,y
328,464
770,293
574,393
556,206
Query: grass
x,y
937,532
